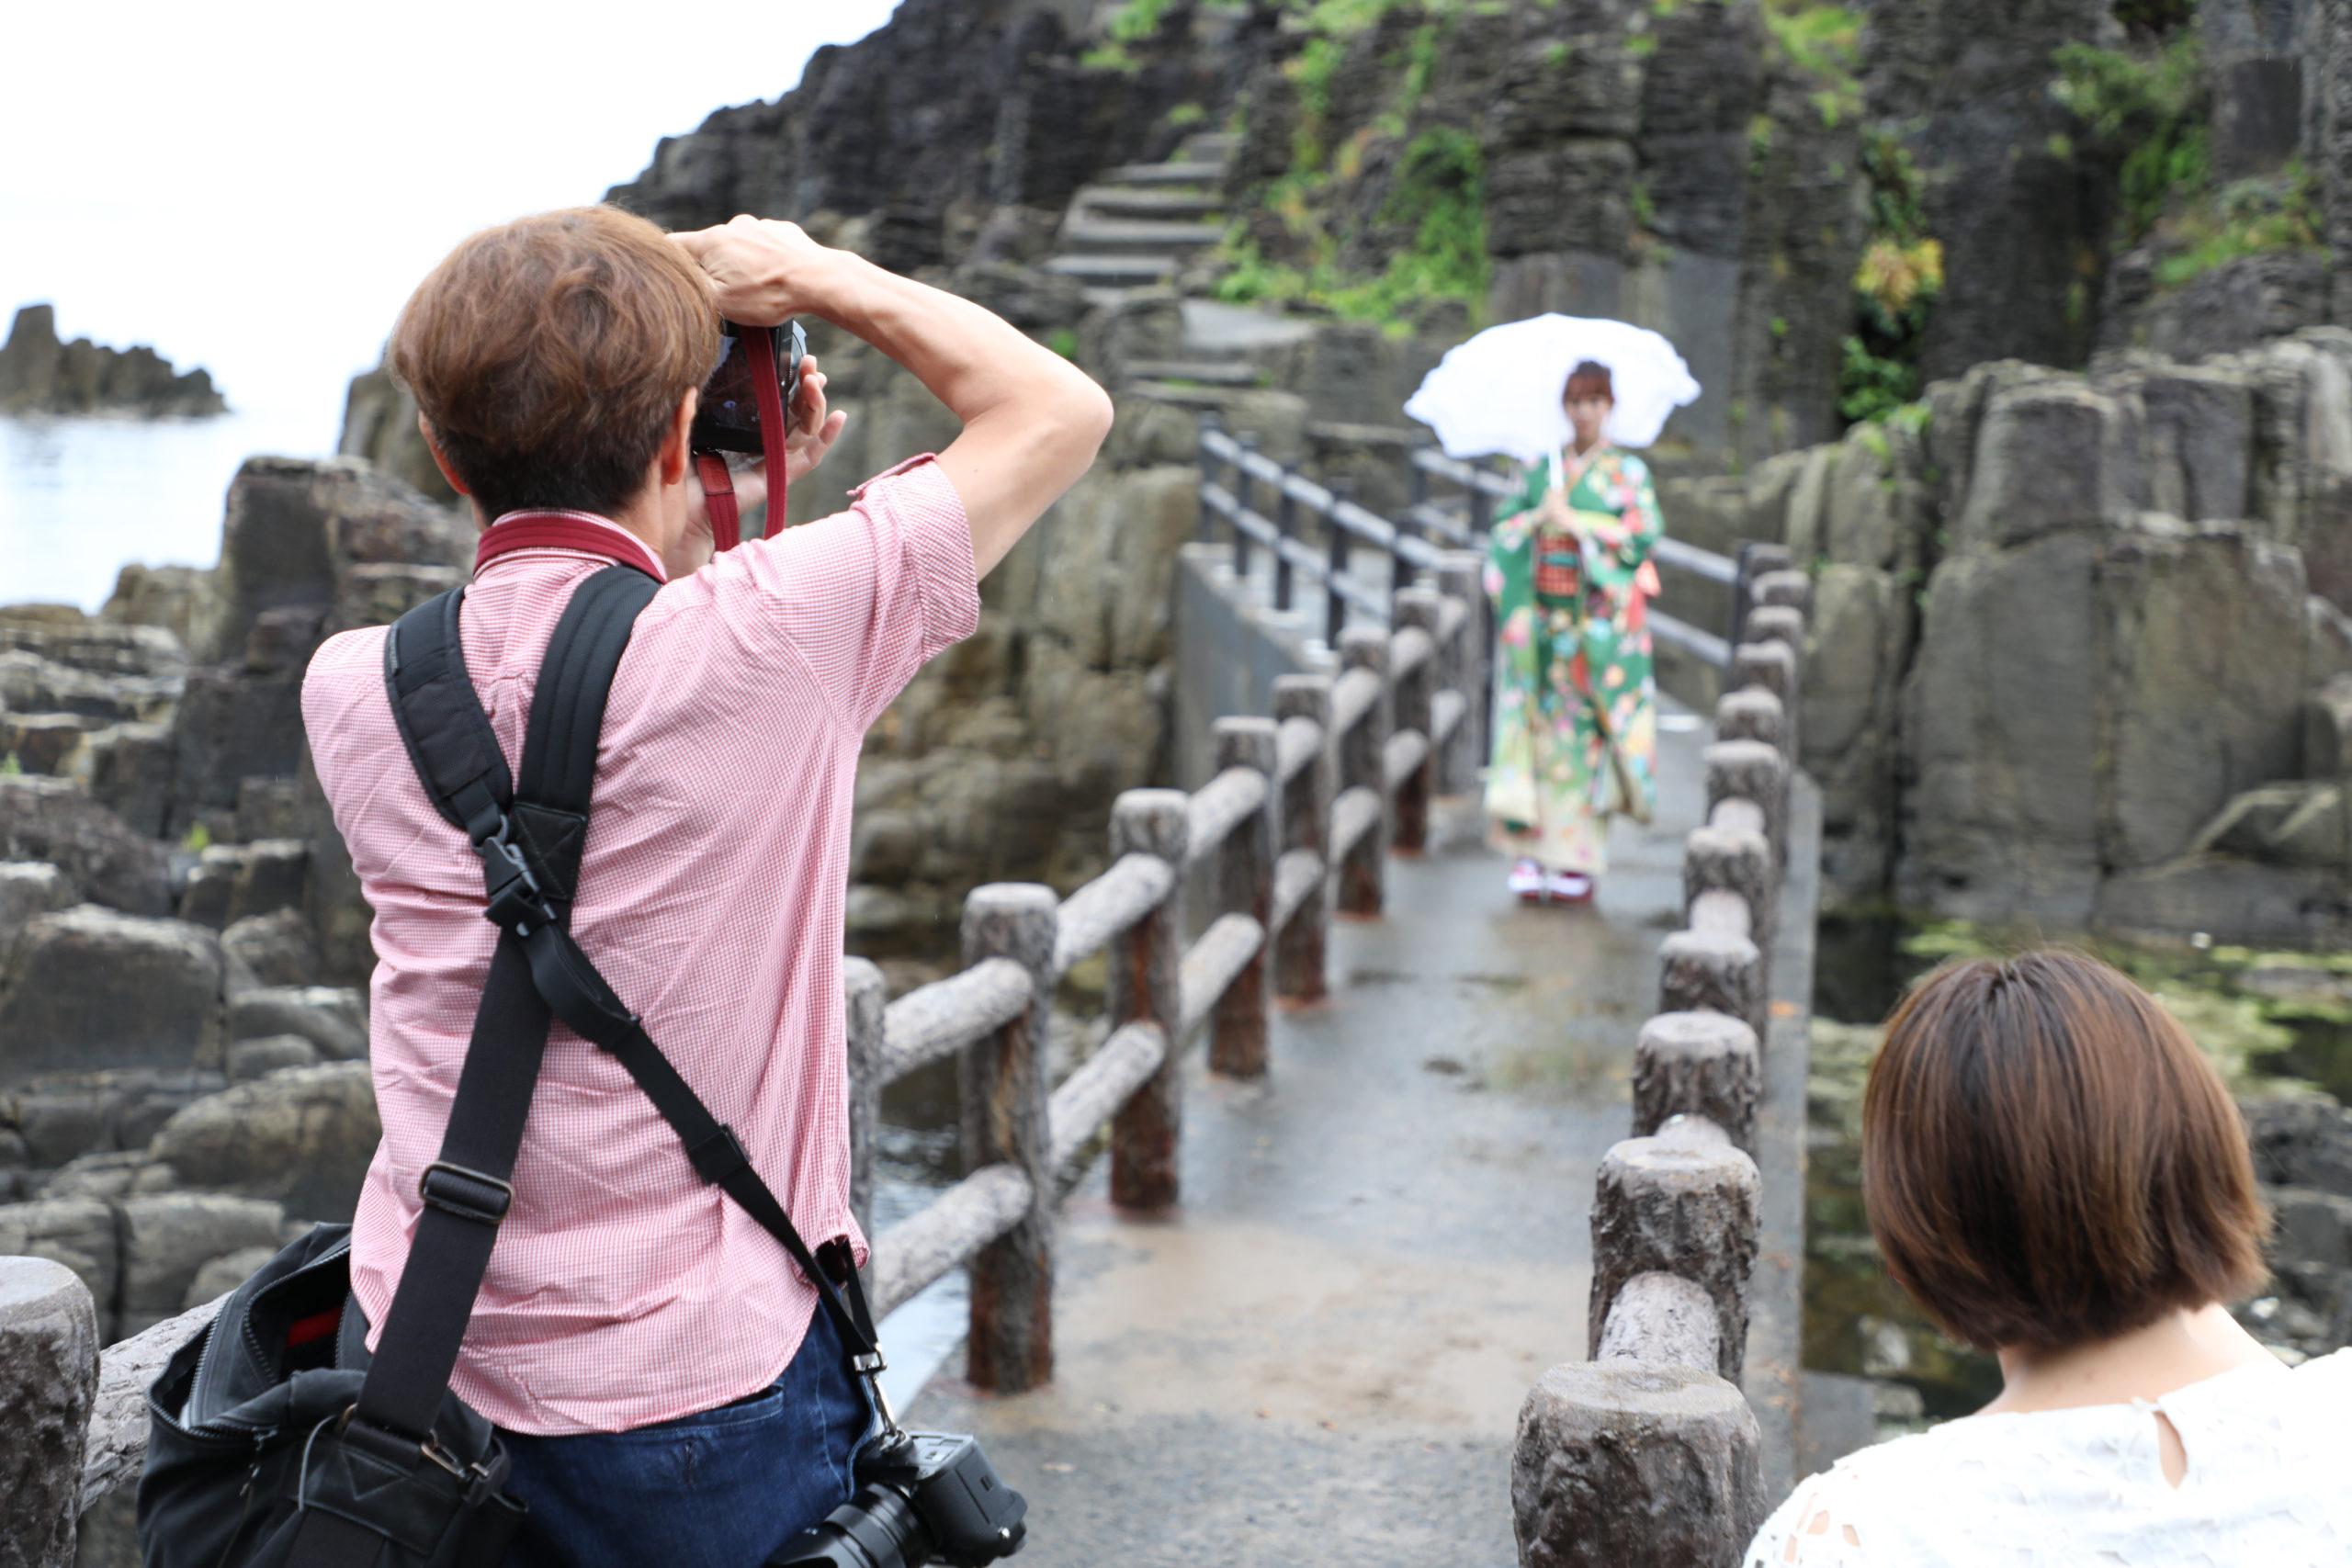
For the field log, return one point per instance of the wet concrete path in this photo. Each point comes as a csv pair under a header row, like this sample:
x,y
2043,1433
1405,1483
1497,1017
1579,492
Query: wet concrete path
x,y
1321,1357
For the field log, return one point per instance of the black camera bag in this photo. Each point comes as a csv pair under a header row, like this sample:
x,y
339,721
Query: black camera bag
x,y
277,1441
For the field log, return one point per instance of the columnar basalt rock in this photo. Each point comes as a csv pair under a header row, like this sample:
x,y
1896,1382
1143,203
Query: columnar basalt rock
x,y
2016,610
91,987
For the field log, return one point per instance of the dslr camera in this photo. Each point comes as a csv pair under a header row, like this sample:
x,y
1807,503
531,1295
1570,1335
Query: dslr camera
x,y
922,1497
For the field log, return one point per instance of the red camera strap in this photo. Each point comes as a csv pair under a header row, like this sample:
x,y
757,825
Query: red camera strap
x,y
768,387
718,485
718,500
564,531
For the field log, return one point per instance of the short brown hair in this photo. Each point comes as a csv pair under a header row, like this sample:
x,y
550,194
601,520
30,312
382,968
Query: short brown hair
x,y
1591,379
551,354
2048,1160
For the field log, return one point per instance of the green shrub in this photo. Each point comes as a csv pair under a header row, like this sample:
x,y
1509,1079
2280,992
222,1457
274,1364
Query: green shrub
x,y
2151,109
1440,195
2249,218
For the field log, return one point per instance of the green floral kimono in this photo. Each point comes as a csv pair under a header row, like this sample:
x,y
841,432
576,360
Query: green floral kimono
x,y
1570,627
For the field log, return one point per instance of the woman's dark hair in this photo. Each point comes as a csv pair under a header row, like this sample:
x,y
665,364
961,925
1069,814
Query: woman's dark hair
x,y
2048,1160
1590,379
550,355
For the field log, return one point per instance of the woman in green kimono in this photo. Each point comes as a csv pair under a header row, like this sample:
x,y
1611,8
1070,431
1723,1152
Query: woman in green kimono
x,y
1575,702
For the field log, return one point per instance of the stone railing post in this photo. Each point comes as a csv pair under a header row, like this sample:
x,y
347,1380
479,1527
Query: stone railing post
x,y
1751,770
865,995
1751,714
1000,1082
1364,761
48,1375
1782,586
1146,984
1245,885
1682,1201
1730,859
1413,694
1772,666
1713,972
1697,1064
1460,576
1299,947
1634,1464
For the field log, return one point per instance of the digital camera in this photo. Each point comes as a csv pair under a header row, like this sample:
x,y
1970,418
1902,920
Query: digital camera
x,y
922,1497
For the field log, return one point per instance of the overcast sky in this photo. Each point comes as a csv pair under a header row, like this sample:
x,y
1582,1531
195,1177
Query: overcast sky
x,y
255,186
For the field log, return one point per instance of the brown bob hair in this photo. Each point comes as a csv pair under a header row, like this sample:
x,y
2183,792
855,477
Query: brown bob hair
x,y
2048,1160
1591,379
550,355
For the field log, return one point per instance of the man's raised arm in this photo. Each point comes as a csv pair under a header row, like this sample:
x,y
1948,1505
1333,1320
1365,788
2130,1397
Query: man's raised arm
x,y
1032,420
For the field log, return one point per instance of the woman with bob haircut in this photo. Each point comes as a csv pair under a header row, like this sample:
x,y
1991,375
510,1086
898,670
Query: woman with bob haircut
x,y
2056,1175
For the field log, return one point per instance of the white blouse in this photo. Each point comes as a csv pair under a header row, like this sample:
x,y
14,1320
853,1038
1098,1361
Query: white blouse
x,y
2269,1483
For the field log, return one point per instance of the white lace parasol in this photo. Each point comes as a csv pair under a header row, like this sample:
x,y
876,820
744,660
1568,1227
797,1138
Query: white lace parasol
x,y
1500,391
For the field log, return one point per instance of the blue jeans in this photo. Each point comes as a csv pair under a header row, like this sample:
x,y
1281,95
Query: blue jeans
x,y
721,1489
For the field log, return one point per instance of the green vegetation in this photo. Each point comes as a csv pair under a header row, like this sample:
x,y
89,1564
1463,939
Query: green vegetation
x,y
2151,108
1821,39
1184,115
1896,284
1064,341
1440,194
2147,108
198,839
10,767
2244,218
1436,184
1134,22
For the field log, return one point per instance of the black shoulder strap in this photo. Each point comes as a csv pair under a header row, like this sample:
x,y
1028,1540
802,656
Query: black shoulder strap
x,y
529,838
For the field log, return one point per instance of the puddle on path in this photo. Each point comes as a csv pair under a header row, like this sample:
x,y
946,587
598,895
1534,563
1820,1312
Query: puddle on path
x,y
2273,1022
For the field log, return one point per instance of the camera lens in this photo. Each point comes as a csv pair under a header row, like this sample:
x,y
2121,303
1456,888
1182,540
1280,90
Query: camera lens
x,y
876,1528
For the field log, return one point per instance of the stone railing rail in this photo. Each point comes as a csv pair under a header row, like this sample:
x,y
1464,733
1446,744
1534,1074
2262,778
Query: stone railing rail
x,y
1296,824
1647,1454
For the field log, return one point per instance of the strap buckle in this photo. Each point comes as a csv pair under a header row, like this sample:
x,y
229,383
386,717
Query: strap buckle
x,y
468,1195
516,900
719,1156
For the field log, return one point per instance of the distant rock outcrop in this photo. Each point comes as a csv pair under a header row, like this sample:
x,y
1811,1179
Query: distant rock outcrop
x,y
41,375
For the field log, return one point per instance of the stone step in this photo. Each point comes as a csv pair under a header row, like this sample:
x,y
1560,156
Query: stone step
x,y
1189,397
1146,202
1208,146
1108,234
1166,175
1214,330
1127,269
1214,372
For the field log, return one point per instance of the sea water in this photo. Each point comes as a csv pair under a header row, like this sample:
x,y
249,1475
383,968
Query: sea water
x,y
80,498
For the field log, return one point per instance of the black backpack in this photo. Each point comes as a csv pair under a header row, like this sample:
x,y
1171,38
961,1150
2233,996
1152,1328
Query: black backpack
x,y
274,1438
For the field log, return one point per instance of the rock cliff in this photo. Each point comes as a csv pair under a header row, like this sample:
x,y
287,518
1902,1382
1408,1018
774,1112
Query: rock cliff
x,y
2079,642
41,375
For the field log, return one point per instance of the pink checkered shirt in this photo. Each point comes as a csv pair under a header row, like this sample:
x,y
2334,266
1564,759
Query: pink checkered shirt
x,y
623,1290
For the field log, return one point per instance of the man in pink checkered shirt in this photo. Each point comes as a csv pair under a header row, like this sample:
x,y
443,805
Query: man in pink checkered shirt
x,y
669,1390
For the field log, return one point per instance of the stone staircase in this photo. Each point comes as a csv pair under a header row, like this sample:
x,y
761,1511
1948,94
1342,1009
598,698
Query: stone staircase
x,y
1138,227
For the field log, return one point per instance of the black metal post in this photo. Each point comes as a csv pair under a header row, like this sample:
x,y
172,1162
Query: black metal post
x,y
1243,483
1285,529
1401,571
1204,527
1335,608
